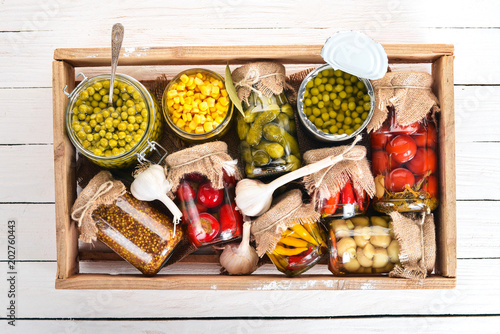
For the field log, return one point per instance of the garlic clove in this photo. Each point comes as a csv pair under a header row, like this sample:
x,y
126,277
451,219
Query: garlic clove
x,y
240,259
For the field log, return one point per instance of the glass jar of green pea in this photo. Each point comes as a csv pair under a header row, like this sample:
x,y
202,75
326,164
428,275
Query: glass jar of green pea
x,y
334,105
112,136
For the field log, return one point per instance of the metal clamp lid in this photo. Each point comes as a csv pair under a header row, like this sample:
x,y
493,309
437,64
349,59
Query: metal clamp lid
x,y
70,95
152,146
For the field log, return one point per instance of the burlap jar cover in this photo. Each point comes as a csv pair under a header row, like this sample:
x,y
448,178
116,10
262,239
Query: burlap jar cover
x,y
286,211
101,190
329,181
409,94
265,78
209,159
417,241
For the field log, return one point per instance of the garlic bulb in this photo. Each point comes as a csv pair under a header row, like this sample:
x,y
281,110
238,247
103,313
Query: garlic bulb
x,y
151,184
240,259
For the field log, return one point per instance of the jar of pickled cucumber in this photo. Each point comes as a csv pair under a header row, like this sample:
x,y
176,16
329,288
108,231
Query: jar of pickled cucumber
x,y
113,137
266,128
362,245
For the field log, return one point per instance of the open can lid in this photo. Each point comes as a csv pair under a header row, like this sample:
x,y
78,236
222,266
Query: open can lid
x,y
355,53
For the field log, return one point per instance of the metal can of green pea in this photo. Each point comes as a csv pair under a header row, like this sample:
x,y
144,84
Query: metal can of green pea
x,y
113,136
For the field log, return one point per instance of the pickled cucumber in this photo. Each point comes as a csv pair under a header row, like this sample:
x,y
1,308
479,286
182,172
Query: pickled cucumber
x,y
243,128
274,133
251,114
294,161
260,158
255,133
288,110
274,150
246,152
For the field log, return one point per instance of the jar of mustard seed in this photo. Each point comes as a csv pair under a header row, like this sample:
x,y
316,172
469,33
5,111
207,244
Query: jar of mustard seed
x,y
141,234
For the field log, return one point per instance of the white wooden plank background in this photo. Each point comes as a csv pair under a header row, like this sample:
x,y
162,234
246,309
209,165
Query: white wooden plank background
x,y
31,30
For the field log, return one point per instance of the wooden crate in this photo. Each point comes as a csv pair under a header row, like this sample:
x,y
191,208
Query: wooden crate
x,y
69,255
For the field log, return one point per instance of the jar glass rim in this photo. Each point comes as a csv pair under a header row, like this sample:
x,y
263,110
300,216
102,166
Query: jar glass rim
x,y
127,79
196,136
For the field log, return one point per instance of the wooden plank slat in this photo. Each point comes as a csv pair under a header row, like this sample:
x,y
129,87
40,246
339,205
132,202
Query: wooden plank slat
x,y
64,172
253,282
446,234
202,55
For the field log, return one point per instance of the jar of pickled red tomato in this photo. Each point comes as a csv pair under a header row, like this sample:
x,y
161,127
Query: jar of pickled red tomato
x,y
209,215
404,164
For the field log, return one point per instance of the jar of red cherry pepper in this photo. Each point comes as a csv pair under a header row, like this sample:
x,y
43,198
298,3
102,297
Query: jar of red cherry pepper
x,y
203,179
344,189
404,143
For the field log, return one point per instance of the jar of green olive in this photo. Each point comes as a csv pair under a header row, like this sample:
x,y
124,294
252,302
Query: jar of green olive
x,y
112,137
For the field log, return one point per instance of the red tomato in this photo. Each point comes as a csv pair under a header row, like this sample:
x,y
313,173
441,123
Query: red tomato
x,y
426,136
380,162
185,192
229,181
230,219
397,180
379,139
430,185
401,148
195,177
209,196
424,160
200,207
203,230
408,129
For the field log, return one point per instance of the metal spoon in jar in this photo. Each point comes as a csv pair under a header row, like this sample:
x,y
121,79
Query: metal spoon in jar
x,y
116,45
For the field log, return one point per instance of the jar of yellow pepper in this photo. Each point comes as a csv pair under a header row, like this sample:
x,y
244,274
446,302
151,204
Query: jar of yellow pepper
x,y
196,105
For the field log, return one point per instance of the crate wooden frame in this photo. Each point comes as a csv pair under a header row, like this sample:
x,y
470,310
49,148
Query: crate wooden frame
x,y
68,255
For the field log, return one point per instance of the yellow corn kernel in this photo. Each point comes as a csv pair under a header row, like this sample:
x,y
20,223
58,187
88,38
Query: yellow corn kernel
x,y
211,102
176,99
192,87
208,126
180,123
213,109
215,91
176,114
174,86
223,92
184,78
218,119
189,117
198,81
199,129
189,93
200,75
209,119
202,119
195,110
182,93
203,106
188,129
188,100
184,117
205,90
220,84
220,107
190,81
214,115
196,119
224,101
176,105
175,120
170,102
188,107
181,86
192,124
171,93
215,83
